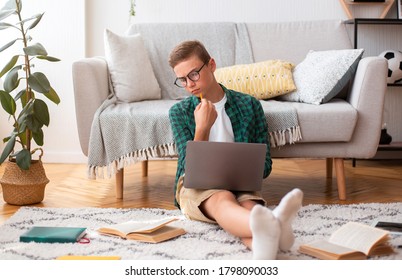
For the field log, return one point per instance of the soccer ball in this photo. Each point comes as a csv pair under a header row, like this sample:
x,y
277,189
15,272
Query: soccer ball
x,y
394,59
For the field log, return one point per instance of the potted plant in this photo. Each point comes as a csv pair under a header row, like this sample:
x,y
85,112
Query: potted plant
x,y
20,96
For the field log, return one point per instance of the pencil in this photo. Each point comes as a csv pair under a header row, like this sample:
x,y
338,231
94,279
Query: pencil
x,y
201,95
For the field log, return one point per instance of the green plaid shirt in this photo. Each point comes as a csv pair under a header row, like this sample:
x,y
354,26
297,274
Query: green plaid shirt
x,y
245,113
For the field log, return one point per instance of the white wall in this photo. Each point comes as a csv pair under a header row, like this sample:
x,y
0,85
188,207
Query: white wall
x,y
73,29
62,33
115,16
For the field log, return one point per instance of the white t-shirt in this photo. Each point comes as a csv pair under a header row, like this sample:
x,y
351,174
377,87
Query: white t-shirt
x,y
221,130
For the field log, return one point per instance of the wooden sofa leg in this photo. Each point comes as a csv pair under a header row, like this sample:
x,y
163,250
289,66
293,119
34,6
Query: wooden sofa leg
x,y
329,162
145,168
119,183
340,178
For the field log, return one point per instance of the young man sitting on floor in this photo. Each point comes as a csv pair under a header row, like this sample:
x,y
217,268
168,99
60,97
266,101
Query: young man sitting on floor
x,y
215,113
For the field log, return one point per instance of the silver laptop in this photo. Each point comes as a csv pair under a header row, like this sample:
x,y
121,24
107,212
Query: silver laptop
x,y
222,165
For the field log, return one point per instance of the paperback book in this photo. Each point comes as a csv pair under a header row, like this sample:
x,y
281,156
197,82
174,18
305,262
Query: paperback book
x,y
352,241
153,232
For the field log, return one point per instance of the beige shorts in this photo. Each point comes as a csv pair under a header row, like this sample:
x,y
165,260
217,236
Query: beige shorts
x,y
191,199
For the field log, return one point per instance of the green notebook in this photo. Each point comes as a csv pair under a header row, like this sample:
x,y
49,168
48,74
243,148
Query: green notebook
x,y
53,234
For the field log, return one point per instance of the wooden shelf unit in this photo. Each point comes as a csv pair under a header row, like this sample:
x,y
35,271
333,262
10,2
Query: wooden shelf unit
x,y
387,4
394,147
374,21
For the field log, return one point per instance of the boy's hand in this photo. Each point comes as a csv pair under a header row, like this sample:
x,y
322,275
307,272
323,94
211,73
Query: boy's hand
x,y
205,115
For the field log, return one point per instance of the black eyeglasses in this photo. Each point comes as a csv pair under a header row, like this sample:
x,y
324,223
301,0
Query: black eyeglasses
x,y
193,76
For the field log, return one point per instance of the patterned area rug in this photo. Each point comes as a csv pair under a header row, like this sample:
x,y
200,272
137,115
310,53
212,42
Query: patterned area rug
x,y
202,241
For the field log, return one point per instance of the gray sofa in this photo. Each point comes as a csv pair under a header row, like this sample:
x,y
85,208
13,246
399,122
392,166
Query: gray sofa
x,y
347,126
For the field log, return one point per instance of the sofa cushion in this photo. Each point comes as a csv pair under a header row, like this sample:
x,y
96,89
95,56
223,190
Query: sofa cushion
x,y
291,41
263,80
334,121
130,69
323,74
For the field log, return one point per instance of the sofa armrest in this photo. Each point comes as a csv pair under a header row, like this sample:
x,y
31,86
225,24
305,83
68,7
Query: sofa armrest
x,y
368,96
91,88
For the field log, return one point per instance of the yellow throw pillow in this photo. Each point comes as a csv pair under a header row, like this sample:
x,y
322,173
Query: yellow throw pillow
x,y
263,80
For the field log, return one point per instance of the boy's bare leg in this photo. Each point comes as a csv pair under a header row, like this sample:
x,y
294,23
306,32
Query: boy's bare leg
x,y
228,213
258,228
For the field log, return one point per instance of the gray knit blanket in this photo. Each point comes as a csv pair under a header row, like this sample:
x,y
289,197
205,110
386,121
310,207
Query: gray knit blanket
x,y
125,133
283,124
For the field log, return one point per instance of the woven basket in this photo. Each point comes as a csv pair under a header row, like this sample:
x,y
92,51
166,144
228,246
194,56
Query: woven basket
x,y
24,187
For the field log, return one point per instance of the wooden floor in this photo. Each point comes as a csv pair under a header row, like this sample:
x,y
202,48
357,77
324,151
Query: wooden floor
x,y
369,181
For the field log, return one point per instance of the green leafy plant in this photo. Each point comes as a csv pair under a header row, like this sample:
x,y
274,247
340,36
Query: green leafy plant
x,y
132,8
22,87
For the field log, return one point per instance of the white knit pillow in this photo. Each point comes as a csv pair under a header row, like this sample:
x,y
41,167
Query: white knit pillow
x,y
323,74
130,69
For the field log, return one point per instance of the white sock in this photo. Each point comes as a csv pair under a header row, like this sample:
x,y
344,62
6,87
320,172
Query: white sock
x,y
266,231
285,212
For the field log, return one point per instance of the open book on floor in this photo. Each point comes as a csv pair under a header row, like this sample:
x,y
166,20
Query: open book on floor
x,y
352,241
152,232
